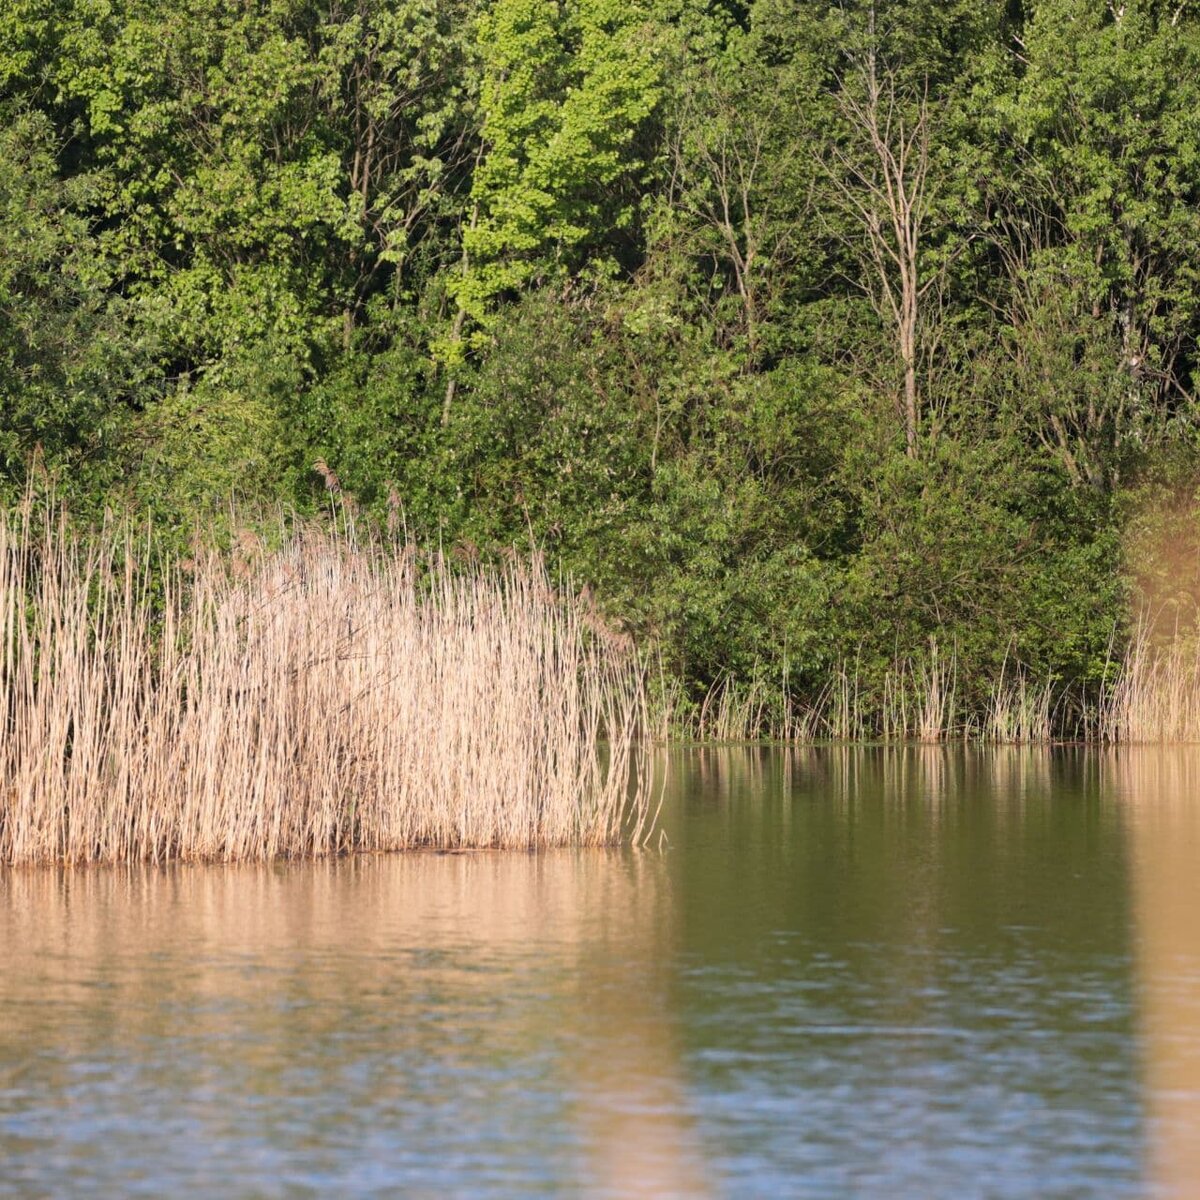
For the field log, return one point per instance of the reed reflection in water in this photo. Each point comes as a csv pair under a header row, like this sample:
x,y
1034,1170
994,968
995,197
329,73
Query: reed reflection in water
x,y
1159,792
361,1024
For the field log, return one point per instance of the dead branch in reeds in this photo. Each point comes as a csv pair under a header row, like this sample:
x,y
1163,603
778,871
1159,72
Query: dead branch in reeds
x,y
335,694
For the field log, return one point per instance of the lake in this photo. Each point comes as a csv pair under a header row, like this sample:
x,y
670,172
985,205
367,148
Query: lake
x,y
929,972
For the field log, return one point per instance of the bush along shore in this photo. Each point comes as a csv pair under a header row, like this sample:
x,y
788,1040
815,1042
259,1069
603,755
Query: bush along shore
x,y
333,692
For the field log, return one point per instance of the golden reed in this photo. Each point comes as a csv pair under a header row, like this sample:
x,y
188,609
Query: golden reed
x,y
330,695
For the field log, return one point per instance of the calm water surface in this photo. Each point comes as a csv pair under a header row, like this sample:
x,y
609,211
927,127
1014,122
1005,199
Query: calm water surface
x,y
928,973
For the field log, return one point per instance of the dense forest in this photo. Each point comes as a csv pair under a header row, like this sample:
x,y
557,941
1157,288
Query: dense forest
x,y
803,334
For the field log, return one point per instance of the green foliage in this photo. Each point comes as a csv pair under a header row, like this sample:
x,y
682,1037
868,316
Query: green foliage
x,y
68,363
565,87
614,278
1092,197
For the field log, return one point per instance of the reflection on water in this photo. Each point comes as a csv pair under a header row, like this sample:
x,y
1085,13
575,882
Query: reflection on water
x,y
928,972
924,978
345,1025
1160,798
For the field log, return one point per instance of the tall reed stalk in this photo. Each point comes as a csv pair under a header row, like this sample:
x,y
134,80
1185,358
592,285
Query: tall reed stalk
x,y
919,701
1156,697
734,711
330,695
1019,709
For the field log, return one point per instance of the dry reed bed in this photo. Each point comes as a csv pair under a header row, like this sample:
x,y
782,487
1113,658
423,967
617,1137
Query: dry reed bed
x,y
327,696
1156,697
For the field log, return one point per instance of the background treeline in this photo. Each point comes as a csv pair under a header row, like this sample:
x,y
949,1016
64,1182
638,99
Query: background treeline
x,y
804,333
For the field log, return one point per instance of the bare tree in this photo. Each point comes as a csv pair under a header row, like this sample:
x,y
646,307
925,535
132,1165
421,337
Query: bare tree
x,y
725,158
881,174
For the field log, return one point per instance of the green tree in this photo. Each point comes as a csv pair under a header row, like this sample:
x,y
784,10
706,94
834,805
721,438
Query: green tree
x,y
1093,199
565,89
70,365
275,183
